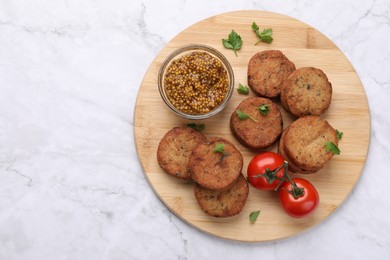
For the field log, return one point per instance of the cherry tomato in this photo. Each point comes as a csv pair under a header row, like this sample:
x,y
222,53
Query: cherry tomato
x,y
260,170
305,201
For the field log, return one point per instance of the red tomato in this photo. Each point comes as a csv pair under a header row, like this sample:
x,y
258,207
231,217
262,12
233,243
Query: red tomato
x,y
259,165
304,204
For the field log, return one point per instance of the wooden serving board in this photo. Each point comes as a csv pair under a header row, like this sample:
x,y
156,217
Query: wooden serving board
x,y
304,46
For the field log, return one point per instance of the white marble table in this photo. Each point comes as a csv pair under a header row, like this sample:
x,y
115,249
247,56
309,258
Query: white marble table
x,y
71,185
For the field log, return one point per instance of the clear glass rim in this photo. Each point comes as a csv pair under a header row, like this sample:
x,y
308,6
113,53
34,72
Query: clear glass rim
x,y
196,47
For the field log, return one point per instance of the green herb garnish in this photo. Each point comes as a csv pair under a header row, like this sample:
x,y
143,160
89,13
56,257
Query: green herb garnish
x,y
242,89
264,109
242,115
197,127
331,147
253,216
233,42
339,134
264,36
219,148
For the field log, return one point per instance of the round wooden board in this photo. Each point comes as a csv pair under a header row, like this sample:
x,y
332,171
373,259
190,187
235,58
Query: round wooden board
x,y
303,45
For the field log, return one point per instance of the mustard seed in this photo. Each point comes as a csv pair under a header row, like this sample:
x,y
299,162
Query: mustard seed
x,y
196,83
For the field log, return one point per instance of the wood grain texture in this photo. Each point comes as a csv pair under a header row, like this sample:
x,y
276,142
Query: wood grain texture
x,y
303,45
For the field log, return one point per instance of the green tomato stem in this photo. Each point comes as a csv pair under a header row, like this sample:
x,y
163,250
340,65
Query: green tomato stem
x,y
285,175
270,175
295,191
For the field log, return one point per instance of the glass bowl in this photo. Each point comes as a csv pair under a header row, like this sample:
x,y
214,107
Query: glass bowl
x,y
186,51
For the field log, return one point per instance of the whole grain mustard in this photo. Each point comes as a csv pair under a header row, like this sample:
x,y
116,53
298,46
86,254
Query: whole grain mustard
x,y
196,83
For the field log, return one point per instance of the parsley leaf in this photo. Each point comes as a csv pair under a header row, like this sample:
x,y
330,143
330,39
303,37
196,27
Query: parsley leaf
x,y
331,147
197,127
233,42
255,28
242,115
339,134
242,89
219,148
264,36
253,216
264,109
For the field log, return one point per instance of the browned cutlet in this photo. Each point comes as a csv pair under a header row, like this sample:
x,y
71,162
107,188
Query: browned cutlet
x,y
307,91
292,167
175,148
304,143
266,72
223,203
260,131
215,170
